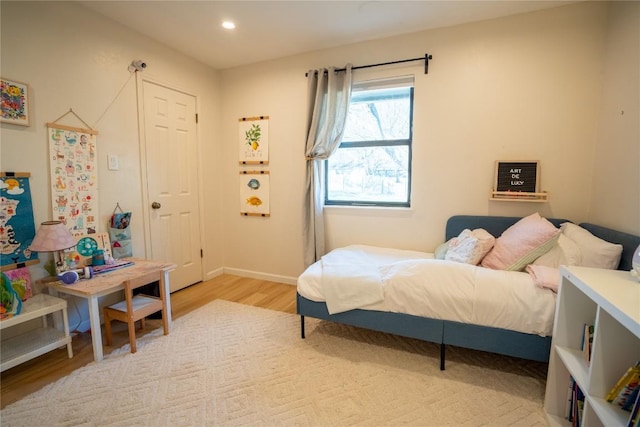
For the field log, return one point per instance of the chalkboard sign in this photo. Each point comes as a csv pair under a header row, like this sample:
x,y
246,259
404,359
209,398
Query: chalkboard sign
x,y
517,176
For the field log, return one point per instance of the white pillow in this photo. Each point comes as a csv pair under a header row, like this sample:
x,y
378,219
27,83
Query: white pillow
x,y
522,243
470,246
565,252
441,250
595,252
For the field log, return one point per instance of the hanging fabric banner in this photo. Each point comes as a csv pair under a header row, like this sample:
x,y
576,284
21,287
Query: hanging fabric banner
x,y
17,228
74,177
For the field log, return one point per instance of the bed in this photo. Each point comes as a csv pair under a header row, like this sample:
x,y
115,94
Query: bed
x,y
509,336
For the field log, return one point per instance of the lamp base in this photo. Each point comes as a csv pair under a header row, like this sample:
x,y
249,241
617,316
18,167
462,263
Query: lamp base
x,y
61,266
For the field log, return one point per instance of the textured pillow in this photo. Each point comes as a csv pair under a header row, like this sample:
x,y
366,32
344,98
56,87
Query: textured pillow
x,y
470,246
565,252
522,243
595,252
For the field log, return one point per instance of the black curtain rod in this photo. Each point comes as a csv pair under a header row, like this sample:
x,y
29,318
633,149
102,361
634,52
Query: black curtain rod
x,y
425,58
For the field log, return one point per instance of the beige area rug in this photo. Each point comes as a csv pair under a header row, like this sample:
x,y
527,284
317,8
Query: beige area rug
x,y
227,364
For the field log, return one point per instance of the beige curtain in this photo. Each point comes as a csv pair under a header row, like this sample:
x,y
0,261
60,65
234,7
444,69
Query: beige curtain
x,y
329,94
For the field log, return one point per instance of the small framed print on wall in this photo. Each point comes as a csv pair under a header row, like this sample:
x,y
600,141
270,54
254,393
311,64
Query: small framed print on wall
x,y
14,100
254,193
254,140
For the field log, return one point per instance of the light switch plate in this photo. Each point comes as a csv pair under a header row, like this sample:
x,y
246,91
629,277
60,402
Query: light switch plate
x,y
113,163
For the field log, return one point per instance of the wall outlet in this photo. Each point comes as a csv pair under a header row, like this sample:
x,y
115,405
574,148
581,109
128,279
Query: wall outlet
x,y
112,162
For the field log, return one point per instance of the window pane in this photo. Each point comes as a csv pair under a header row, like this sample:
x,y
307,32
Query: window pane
x,y
369,174
372,164
382,114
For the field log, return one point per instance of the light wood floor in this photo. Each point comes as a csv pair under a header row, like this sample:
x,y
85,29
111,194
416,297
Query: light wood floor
x,y
31,376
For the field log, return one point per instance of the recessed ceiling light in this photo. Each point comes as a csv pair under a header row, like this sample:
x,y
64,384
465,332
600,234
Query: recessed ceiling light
x,y
228,25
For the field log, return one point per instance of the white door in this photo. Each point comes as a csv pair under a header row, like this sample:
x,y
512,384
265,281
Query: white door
x,y
172,181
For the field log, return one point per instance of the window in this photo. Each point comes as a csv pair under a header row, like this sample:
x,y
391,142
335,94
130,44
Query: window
x,y
372,165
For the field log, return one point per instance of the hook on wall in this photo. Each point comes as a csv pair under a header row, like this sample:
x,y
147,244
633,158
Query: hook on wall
x,y
137,65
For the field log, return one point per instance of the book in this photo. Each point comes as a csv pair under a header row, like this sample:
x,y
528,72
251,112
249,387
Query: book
x,y
630,404
625,379
587,342
627,394
577,404
119,263
568,410
634,418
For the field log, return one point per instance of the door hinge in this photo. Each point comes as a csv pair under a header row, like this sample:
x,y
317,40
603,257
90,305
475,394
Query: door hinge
x,y
196,117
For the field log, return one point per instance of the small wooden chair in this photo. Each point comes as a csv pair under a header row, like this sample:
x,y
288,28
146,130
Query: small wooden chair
x,y
137,307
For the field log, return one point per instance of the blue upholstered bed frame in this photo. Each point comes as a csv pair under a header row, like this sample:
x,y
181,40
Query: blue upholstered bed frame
x,y
443,332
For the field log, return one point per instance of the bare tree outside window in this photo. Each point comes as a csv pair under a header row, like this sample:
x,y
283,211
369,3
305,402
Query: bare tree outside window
x,y
372,165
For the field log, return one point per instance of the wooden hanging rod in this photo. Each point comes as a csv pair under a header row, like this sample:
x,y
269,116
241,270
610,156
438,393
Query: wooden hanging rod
x,y
246,119
72,128
254,162
264,215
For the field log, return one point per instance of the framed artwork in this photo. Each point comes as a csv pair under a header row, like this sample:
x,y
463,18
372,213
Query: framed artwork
x,y
254,193
74,177
15,102
253,136
17,228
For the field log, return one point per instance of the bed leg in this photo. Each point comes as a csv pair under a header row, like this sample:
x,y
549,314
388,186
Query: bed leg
x,y
302,326
442,348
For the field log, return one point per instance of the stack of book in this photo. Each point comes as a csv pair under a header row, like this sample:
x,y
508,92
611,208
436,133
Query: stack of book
x,y
575,403
626,394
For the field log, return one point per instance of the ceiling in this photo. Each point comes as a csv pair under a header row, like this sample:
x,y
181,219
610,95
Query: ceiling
x,y
274,29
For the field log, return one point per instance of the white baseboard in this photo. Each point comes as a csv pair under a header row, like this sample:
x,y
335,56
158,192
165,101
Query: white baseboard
x,y
258,275
213,274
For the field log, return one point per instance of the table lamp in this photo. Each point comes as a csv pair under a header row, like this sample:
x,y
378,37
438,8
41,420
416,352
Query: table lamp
x,y
53,236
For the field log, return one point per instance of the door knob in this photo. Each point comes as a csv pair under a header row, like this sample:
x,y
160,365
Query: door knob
x,y
156,205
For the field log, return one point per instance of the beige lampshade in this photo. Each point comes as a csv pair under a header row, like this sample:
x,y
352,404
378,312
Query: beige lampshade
x,y
52,236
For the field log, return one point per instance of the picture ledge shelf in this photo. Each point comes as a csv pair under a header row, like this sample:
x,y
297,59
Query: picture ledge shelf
x,y
514,196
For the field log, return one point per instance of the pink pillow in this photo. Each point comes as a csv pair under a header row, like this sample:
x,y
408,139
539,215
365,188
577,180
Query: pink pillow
x,y
521,244
544,277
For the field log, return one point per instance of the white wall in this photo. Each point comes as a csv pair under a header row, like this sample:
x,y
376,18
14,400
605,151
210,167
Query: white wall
x,y
526,87
616,173
73,58
523,87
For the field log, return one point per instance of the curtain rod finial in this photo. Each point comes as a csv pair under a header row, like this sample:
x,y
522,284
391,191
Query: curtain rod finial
x,y
427,57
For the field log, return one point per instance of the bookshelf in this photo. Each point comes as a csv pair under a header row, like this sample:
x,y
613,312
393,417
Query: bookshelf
x,y
612,299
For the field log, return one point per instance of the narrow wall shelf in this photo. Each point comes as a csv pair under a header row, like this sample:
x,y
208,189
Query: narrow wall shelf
x,y
514,196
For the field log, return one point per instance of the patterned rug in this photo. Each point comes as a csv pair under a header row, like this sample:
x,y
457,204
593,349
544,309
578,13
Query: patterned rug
x,y
227,364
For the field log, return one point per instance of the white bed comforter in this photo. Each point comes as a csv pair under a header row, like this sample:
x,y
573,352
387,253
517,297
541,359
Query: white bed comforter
x,y
410,282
